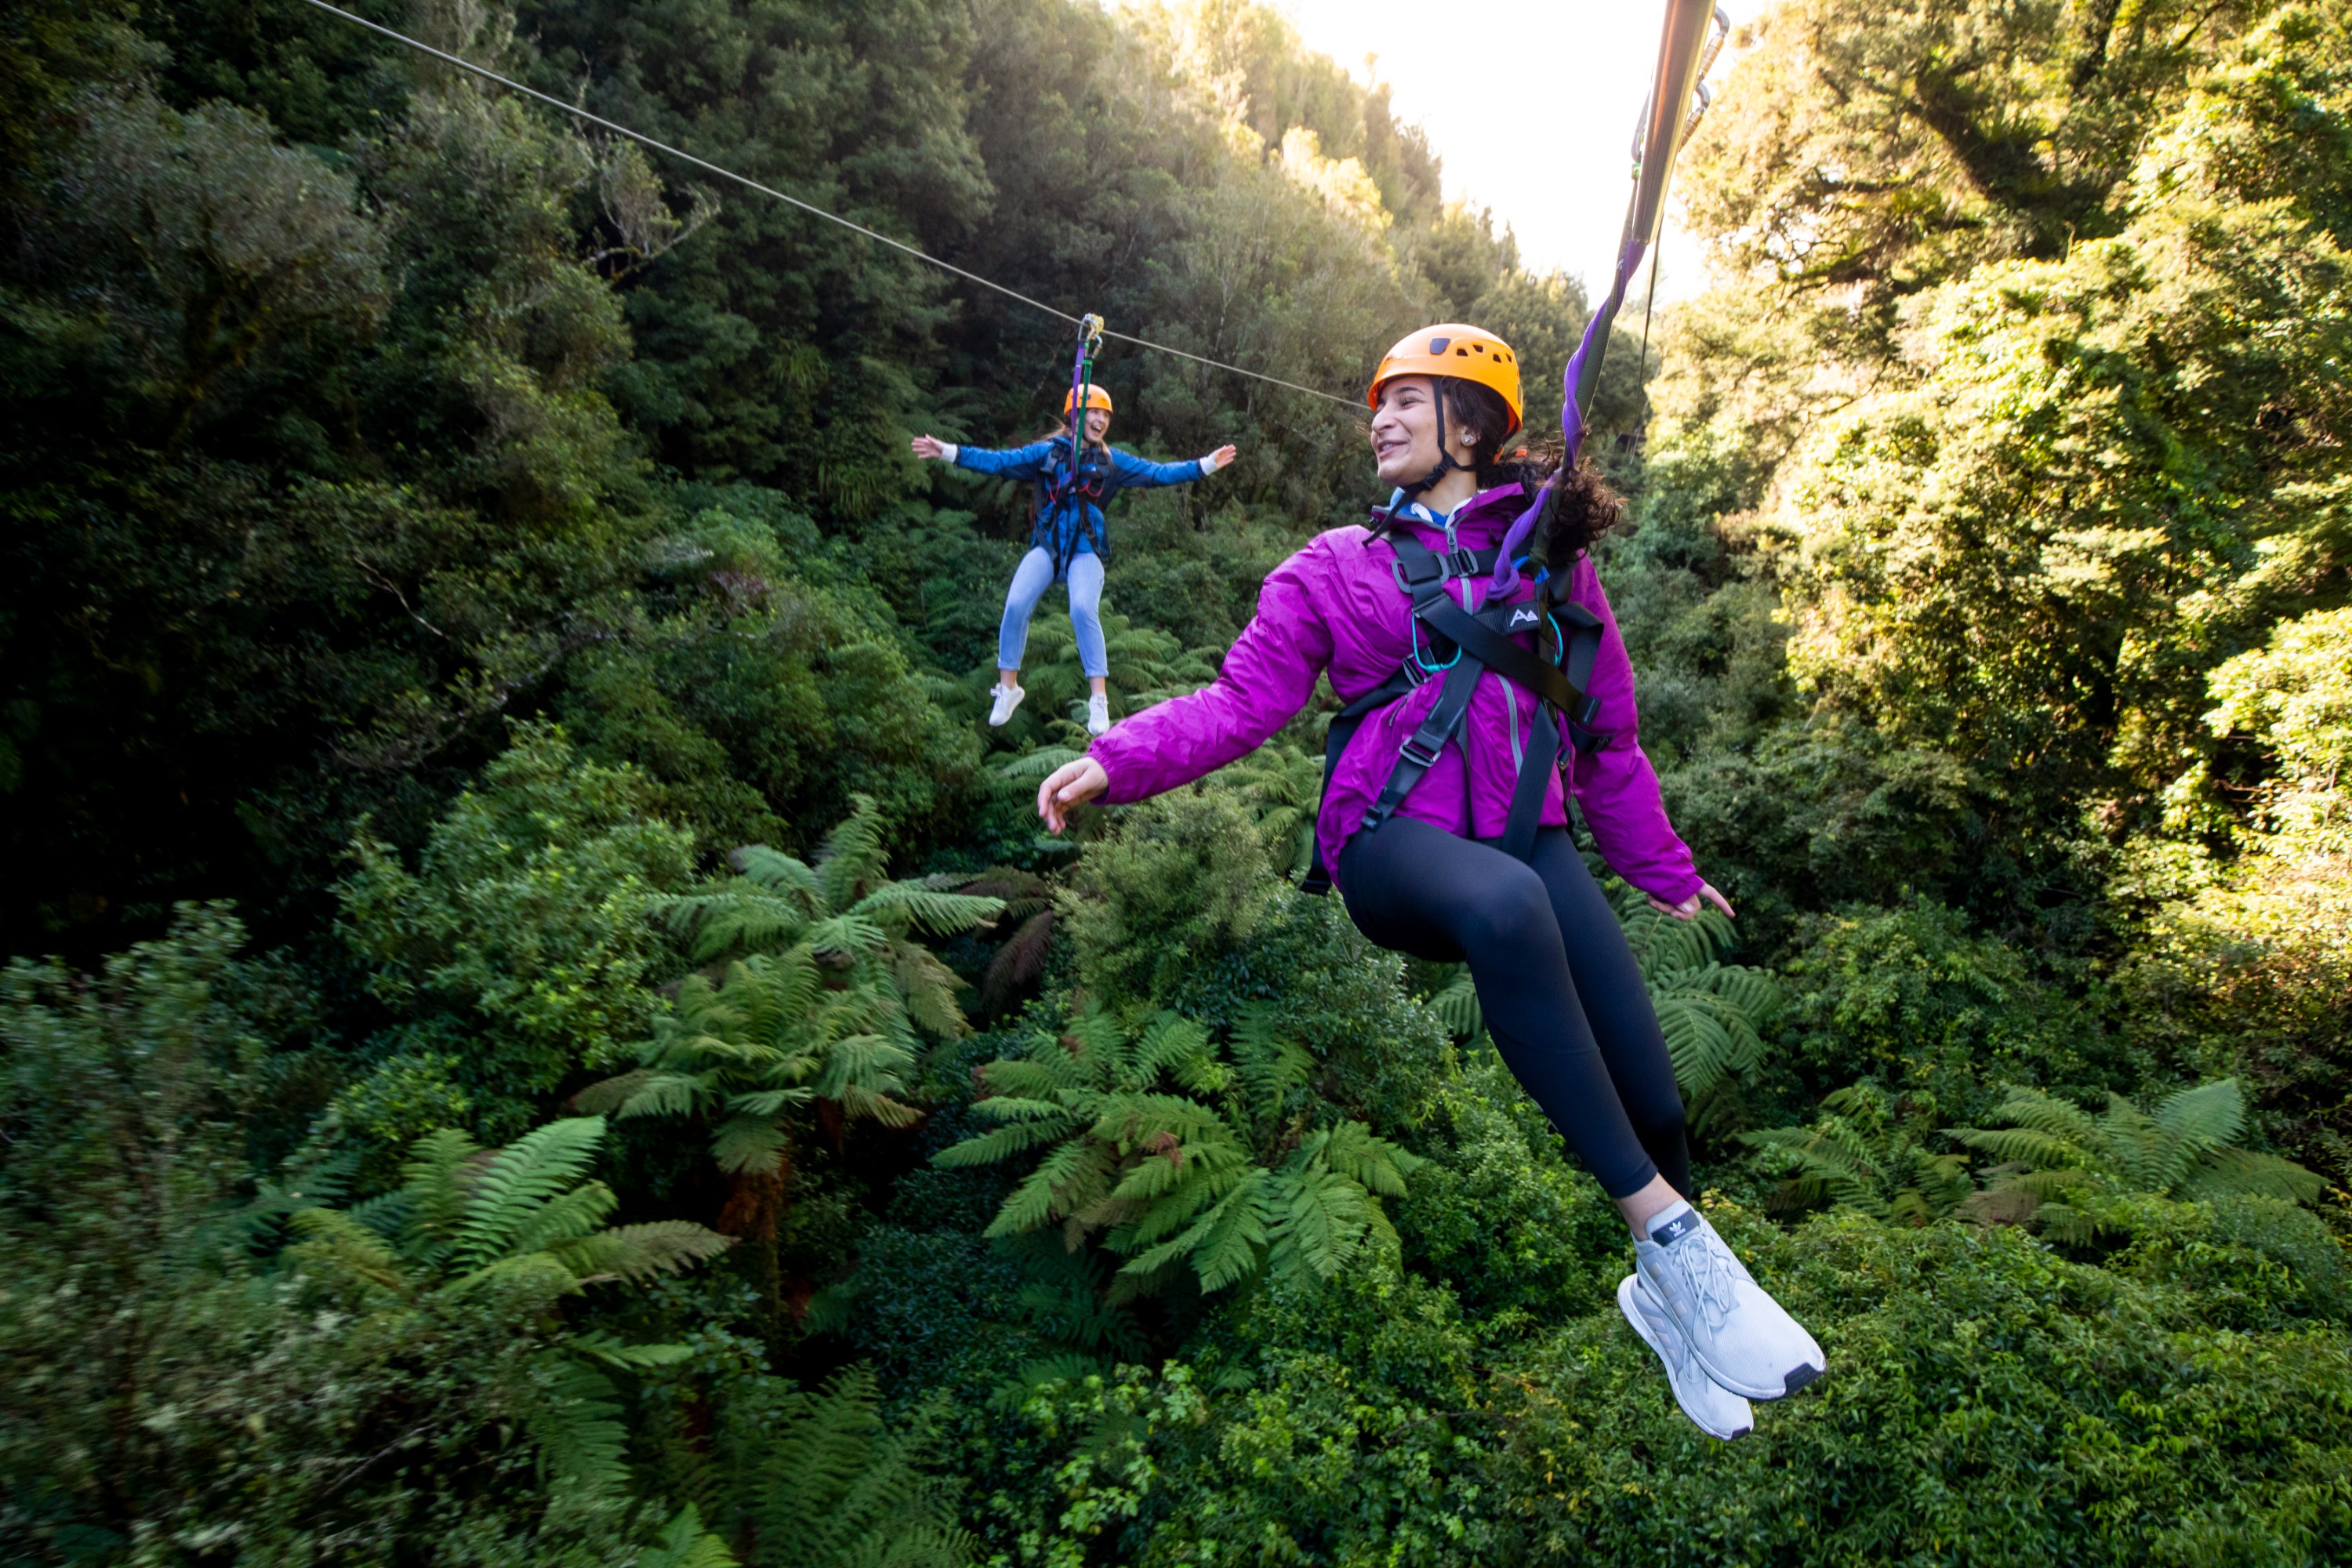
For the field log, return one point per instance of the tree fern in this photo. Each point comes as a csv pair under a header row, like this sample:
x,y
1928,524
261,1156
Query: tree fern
x,y
1868,1152
820,1483
820,997
2065,1162
684,1544
1178,1154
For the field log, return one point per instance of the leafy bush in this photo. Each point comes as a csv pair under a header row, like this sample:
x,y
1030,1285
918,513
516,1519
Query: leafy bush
x,y
400,1384
519,950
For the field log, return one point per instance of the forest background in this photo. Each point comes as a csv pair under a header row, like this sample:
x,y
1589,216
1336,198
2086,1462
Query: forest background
x,y
565,1044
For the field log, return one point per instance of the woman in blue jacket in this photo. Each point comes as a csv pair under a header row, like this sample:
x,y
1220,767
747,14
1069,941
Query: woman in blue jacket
x,y
1066,541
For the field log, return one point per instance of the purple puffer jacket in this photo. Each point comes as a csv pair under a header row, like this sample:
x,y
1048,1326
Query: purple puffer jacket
x,y
1336,605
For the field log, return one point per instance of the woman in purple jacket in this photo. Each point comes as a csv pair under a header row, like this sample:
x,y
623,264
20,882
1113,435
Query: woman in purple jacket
x,y
1563,994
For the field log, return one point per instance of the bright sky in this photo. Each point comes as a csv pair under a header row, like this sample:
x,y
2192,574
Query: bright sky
x,y
1546,141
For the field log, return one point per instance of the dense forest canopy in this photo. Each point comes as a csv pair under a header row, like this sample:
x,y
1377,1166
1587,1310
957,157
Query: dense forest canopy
x,y
543,1028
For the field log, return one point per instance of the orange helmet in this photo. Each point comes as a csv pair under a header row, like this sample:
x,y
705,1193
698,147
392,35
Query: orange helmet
x,y
1451,348
1096,398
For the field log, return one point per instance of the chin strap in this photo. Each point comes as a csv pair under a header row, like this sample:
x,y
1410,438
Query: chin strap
x,y
1447,464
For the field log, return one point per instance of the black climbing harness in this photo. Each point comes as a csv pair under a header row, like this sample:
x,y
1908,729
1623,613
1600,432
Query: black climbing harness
x,y
1463,645
1075,485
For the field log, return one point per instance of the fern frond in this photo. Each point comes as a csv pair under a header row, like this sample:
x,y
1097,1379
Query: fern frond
x,y
433,1186
1456,1004
1167,1040
519,1181
2240,1173
685,1544
567,1217
606,1097
339,1250
2053,1117
749,1145
773,871
578,1429
1355,1152
851,855
635,1253
664,1094
1037,765
2206,1116
608,1349
1066,1179
1004,1142
927,908
1322,1222
1068,1367
2025,1146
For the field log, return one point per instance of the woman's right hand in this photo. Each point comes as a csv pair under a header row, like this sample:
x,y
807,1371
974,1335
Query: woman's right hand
x,y
929,448
1066,786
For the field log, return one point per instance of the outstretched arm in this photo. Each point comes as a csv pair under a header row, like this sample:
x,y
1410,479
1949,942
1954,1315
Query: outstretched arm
x,y
1028,462
1267,678
1136,473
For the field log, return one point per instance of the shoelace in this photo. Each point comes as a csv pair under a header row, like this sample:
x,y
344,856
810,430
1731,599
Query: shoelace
x,y
1708,1275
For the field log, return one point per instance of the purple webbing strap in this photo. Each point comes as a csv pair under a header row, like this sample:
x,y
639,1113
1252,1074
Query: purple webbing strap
x,y
1571,410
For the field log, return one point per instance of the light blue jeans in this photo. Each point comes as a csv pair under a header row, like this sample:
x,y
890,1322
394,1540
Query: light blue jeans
x,y
1029,580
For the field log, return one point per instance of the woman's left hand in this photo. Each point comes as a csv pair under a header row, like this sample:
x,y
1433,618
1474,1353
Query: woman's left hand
x,y
1688,908
1218,458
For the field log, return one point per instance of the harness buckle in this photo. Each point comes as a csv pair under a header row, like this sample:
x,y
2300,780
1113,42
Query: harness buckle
x,y
1420,756
1461,561
1408,583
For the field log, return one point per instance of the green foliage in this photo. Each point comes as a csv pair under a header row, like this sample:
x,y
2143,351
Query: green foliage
x,y
1710,1011
821,988
2064,1162
1985,581
403,1373
1183,883
1223,1171
519,950
1910,997
814,1481
1869,1154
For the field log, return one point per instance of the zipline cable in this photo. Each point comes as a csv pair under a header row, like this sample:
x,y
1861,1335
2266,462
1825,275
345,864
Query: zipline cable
x,y
750,183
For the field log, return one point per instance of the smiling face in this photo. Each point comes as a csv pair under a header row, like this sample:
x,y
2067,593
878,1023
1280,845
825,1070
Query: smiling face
x,y
1404,431
1097,421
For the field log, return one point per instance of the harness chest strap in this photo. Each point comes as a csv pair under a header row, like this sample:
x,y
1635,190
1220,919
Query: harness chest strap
x,y
1482,641
1074,474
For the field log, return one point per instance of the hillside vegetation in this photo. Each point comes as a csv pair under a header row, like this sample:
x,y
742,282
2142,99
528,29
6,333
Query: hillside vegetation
x,y
544,1029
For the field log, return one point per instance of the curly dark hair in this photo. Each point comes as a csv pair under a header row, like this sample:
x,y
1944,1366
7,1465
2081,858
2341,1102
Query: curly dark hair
x,y
1583,506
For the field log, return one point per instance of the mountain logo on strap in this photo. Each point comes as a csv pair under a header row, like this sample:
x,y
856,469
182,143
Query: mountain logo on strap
x,y
1523,618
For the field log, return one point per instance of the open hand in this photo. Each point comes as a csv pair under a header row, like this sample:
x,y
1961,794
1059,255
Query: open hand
x,y
1066,786
1688,908
1218,458
929,446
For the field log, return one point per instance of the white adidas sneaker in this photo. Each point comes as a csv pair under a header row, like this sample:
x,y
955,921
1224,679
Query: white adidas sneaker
x,y
1713,1409
1744,1338
1008,697
1098,714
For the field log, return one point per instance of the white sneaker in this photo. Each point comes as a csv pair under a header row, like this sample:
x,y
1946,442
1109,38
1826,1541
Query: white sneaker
x,y
1008,697
1743,1337
1713,1409
1098,714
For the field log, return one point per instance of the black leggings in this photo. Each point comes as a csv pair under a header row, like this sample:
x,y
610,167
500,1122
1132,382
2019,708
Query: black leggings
x,y
1563,994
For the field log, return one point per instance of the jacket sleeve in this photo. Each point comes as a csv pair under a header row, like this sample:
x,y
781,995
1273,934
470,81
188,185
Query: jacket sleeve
x,y
1028,462
1267,678
1134,473
1616,786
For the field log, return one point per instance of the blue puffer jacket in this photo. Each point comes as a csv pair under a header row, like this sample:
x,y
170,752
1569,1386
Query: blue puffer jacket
x,y
1070,514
